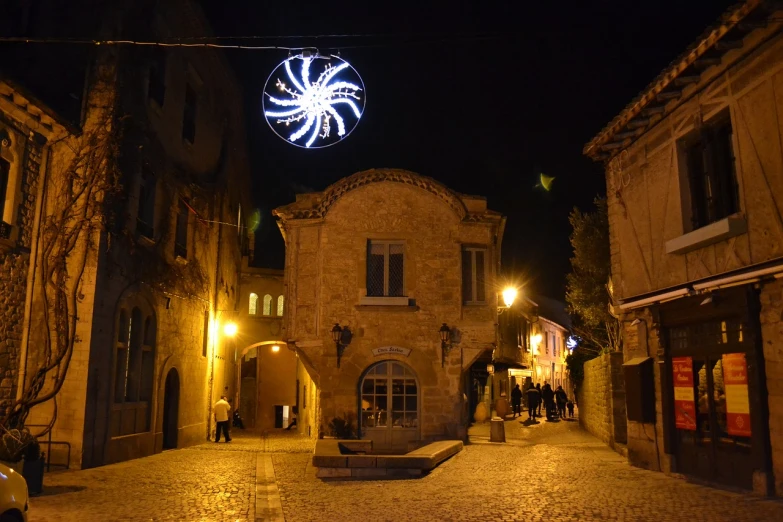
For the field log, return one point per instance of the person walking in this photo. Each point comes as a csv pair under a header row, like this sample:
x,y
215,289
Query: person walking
x,y
540,397
516,400
548,396
561,399
533,402
221,409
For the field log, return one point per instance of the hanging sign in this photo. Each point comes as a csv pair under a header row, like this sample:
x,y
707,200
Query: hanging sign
x,y
735,382
391,350
313,101
684,403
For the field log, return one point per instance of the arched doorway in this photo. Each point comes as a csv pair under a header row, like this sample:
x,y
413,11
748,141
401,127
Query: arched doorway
x,y
389,406
171,410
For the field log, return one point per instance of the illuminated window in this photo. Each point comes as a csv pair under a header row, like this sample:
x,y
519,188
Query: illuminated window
x,y
280,305
253,308
267,304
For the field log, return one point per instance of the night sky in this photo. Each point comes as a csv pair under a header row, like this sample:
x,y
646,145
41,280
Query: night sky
x,y
481,97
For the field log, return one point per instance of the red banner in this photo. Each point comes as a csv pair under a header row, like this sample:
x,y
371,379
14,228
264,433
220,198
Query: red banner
x,y
735,382
684,402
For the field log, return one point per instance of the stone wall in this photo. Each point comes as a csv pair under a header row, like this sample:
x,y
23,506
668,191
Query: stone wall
x,y
771,298
13,279
602,399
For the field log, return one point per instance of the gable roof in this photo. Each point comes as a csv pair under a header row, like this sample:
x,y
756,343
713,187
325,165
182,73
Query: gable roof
x,y
650,105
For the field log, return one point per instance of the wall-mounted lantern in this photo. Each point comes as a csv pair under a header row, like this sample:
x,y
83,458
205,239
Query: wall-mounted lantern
x,y
445,345
490,369
337,337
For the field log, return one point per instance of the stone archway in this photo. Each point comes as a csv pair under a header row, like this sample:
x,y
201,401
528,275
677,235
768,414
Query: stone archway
x,y
171,409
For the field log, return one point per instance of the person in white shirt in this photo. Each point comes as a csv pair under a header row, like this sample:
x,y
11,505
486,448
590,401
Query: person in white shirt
x,y
221,409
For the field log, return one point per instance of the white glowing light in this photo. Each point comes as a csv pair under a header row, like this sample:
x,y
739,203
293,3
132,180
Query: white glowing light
x,y
305,111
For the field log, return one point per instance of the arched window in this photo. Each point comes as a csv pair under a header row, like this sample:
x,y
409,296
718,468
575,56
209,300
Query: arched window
x,y
134,369
253,307
267,304
280,305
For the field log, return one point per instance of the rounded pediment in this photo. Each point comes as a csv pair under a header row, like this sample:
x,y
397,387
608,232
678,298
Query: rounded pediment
x,y
337,190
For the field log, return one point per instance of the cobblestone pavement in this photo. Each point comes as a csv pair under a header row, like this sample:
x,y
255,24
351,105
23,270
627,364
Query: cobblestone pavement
x,y
209,482
545,471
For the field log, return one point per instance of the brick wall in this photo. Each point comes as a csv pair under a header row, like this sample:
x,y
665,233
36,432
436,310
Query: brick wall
x,y
602,399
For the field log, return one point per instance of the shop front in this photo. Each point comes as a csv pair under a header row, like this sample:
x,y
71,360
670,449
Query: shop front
x,y
716,402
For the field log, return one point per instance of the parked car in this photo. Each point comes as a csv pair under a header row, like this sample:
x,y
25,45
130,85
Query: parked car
x,y
13,496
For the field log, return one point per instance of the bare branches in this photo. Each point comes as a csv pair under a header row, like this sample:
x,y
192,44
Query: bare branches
x,y
84,172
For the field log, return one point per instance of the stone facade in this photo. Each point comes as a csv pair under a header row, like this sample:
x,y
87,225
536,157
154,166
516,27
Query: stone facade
x,y
689,260
269,367
161,280
328,236
601,397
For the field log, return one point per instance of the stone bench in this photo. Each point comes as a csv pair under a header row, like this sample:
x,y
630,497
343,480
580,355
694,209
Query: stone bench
x,y
354,459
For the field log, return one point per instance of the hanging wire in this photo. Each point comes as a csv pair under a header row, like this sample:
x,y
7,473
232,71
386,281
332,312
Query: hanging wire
x,y
209,41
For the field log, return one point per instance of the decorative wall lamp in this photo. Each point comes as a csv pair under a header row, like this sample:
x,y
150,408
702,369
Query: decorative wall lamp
x,y
445,345
509,294
337,337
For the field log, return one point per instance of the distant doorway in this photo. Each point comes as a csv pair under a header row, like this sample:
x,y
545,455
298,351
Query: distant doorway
x,y
279,416
171,410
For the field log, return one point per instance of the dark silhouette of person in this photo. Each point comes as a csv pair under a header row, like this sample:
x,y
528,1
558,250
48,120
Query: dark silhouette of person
x,y
294,411
533,402
549,400
540,397
561,399
516,400
570,406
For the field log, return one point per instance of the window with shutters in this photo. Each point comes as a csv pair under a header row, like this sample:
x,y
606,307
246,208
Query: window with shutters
x,y
385,268
474,275
710,164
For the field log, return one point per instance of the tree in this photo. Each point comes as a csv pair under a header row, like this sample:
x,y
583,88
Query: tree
x,y
587,293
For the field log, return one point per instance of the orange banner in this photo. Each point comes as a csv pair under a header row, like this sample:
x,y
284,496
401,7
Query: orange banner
x,y
735,382
684,401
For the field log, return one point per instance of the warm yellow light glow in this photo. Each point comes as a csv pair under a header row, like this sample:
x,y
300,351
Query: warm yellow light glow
x,y
509,294
230,329
535,341
275,348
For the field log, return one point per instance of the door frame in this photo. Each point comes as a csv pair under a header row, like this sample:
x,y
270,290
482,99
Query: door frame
x,y
739,303
389,395
168,406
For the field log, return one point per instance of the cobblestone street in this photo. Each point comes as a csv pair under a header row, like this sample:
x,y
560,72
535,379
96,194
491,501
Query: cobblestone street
x,y
545,471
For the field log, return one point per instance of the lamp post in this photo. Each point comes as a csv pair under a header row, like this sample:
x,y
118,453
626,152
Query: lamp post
x,y
337,337
445,346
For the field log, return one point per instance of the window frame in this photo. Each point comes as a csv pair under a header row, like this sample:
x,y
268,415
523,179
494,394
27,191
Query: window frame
x,y
252,305
279,308
266,310
474,282
387,243
700,210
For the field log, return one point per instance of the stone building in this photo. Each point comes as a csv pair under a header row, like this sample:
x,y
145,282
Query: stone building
x,y
378,267
695,188
548,339
268,387
143,293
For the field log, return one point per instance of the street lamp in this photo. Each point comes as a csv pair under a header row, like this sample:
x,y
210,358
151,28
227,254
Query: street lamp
x,y
509,294
275,348
230,329
337,337
445,347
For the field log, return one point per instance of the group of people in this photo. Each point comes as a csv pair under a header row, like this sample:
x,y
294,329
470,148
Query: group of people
x,y
555,402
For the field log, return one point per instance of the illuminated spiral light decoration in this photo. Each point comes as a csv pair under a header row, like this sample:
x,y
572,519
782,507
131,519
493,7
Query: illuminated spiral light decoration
x,y
313,101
